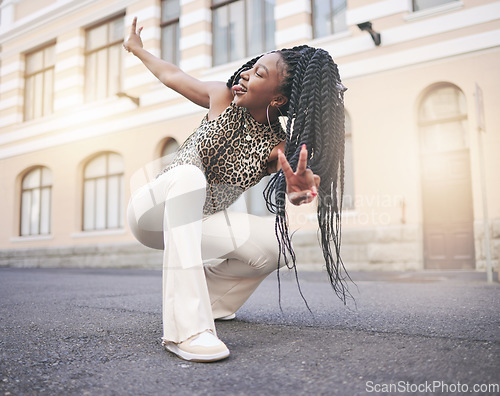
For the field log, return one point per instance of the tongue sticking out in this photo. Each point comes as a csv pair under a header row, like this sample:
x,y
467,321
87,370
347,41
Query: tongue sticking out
x,y
237,88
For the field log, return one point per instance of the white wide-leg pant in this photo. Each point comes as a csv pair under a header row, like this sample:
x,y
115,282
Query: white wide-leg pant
x,y
168,214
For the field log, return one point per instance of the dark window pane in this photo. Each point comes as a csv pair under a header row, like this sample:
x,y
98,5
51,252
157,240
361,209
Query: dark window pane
x,y
241,29
321,13
339,16
170,43
255,27
170,9
270,24
329,17
221,34
236,30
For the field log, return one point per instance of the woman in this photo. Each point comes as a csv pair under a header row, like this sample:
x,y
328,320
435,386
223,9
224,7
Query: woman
x,y
239,141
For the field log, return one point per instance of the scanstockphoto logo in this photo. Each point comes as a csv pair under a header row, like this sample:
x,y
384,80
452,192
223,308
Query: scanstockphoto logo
x,y
458,387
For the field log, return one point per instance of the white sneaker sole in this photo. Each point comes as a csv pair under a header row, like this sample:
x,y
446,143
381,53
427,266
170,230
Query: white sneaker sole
x,y
228,317
192,357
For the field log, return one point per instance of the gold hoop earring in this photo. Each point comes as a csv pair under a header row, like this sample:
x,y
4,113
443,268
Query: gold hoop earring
x,y
267,113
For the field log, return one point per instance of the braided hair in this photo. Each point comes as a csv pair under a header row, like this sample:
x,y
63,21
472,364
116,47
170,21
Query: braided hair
x,y
314,117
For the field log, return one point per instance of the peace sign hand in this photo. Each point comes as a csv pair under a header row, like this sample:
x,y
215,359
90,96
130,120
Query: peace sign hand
x,y
133,41
301,185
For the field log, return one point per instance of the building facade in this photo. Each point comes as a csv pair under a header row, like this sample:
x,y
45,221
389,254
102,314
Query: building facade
x,y
83,123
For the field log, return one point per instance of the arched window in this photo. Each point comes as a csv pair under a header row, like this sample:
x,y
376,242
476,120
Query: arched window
x,y
170,147
443,120
103,193
36,191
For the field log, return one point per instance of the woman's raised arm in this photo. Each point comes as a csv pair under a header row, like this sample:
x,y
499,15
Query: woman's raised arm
x,y
169,74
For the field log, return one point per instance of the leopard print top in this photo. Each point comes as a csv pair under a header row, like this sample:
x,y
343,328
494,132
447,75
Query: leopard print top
x,y
232,151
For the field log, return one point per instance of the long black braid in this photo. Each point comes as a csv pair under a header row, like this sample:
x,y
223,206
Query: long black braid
x,y
315,117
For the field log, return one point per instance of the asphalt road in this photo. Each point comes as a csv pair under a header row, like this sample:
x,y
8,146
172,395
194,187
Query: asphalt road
x,y
97,332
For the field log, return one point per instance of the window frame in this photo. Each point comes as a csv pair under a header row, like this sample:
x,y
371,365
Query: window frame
x,y
30,115
163,26
40,186
332,31
121,194
219,4
458,117
87,53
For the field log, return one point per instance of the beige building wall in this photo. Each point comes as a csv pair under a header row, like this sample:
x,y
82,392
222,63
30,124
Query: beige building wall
x,y
457,43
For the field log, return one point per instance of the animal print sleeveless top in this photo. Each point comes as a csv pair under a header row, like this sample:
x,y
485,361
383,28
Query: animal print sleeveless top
x,y
232,151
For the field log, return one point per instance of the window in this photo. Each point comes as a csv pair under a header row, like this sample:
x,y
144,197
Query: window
x,y
348,166
170,31
103,193
103,54
443,120
39,86
419,5
329,17
36,189
242,28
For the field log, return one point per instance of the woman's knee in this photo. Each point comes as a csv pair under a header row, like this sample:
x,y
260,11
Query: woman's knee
x,y
183,186
147,226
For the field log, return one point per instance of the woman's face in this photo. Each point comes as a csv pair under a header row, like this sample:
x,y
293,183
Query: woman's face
x,y
259,86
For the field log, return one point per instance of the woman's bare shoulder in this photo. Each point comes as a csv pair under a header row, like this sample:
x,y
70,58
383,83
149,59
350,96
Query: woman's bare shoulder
x,y
220,97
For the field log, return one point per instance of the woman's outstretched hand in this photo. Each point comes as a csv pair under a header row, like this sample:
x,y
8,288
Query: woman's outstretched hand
x,y
301,185
133,41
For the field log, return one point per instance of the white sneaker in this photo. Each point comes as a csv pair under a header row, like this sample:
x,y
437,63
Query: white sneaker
x,y
228,317
203,347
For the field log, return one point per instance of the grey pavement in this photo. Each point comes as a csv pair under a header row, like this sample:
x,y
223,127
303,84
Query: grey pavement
x,y
97,332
